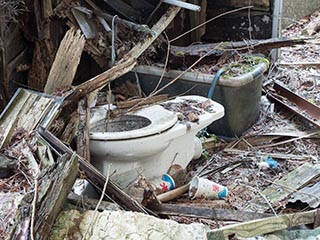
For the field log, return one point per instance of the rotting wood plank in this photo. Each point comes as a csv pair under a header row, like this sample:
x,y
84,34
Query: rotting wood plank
x,y
47,8
70,130
263,226
126,64
278,191
28,110
255,45
63,178
194,18
99,81
204,212
83,137
50,182
66,61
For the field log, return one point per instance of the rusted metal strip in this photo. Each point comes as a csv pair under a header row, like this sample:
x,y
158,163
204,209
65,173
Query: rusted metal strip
x,y
296,104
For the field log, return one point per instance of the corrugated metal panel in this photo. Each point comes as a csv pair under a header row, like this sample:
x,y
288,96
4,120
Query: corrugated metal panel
x,y
311,196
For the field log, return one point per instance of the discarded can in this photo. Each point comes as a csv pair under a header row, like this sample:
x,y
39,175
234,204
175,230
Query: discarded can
x,y
178,174
166,183
204,188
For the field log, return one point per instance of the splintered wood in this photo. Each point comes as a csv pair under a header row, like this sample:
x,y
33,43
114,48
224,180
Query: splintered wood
x,y
67,59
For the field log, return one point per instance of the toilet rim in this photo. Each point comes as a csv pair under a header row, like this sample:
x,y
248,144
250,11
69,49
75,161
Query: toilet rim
x,y
160,122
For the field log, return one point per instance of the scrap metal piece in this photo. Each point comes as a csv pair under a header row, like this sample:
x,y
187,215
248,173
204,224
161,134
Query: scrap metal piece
x,y
309,195
296,103
185,5
85,21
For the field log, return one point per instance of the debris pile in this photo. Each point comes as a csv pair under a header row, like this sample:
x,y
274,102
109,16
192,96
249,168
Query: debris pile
x,y
265,180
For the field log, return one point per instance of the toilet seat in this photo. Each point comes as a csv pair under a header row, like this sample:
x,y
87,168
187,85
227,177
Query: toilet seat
x,y
161,120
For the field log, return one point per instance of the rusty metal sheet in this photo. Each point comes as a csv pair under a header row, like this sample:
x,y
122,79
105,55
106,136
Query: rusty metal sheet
x,y
309,195
295,103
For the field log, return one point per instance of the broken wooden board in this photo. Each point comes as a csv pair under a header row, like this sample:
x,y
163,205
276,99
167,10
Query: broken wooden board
x,y
66,61
43,192
83,136
61,182
285,186
28,110
263,226
242,46
205,212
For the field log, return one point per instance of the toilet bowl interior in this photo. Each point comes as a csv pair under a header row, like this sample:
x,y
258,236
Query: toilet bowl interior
x,y
121,124
144,122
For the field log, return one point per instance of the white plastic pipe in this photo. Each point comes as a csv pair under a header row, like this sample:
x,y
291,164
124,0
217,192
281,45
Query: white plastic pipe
x,y
185,5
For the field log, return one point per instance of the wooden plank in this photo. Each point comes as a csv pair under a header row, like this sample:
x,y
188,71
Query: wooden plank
x,y
283,187
29,110
66,61
47,189
194,18
204,212
47,8
83,136
62,179
263,226
255,45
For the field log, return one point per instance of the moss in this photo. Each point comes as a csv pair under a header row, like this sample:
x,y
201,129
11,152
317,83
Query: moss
x,y
245,65
180,53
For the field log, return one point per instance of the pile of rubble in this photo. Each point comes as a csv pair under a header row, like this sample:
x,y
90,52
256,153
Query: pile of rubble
x,y
261,182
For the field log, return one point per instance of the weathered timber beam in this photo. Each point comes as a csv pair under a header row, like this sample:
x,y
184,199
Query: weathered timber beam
x,y
83,136
205,212
99,81
66,61
263,226
255,45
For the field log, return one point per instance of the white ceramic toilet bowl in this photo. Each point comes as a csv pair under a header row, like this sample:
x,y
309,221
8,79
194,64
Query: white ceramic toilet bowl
x,y
160,141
